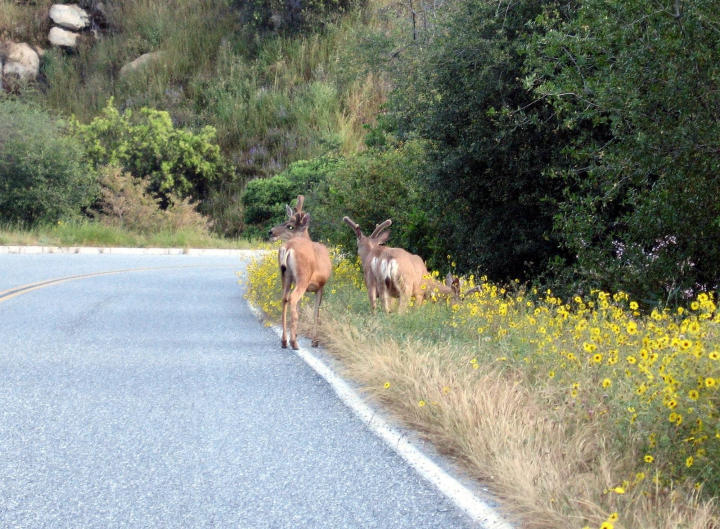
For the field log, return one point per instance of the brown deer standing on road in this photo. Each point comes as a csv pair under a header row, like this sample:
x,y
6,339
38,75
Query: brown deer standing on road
x,y
302,262
394,272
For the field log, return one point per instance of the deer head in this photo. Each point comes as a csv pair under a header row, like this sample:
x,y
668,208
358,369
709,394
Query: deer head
x,y
296,224
367,243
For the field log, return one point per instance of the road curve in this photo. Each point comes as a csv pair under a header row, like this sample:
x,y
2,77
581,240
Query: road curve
x,y
154,399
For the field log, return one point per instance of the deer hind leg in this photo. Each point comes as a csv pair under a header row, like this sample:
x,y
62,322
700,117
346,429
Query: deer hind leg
x,y
295,297
283,340
385,295
286,284
318,300
372,294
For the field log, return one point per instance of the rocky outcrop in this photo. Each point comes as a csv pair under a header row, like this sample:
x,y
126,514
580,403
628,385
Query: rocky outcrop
x,y
20,61
69,19
70,16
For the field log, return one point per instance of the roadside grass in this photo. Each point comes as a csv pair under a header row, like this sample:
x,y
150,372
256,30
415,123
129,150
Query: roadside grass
x,y
91,233
580,414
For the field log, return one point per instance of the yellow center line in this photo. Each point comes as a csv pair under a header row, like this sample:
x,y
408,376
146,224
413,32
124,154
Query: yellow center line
x,y
24,289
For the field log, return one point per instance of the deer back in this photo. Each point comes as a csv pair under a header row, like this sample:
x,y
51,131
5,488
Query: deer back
x,y
307,261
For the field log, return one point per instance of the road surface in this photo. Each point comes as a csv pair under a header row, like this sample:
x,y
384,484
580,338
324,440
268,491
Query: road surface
x,y
153,398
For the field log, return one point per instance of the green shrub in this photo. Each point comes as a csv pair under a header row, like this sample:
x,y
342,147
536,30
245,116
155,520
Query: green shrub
x,y
147,144
373,186
43,175
490,138
637,89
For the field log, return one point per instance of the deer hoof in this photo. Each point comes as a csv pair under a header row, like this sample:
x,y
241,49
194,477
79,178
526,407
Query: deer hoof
x,y
283,344
294,345
315,343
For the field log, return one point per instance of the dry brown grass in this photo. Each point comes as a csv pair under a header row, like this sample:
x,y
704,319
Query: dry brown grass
x,y
25,21
548,470
125,202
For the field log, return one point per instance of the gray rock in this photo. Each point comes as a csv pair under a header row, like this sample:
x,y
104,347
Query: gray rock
x,y
63,37
140,62
70,16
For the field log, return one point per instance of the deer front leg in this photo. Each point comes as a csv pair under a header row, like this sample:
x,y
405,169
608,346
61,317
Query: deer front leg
x,y
318,300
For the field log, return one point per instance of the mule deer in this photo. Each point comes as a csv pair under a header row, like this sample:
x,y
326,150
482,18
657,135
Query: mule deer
x,y
394,272
304,264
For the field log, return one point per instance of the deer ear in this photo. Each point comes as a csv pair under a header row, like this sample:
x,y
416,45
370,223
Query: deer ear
x,y
304,219
383,237
288,211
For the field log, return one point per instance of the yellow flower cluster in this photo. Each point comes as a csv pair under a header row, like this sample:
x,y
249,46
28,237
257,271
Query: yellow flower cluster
x,y
656,376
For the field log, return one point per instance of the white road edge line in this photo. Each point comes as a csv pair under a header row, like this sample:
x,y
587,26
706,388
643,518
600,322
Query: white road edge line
x,y
458,493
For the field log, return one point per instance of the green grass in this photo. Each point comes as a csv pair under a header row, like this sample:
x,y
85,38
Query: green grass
x,y
90,233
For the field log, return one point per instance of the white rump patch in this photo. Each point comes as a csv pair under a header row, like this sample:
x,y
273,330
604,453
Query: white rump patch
x,y
389,270
286,257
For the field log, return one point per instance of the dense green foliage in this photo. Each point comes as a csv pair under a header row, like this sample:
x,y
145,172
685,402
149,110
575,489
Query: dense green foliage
x,y
636,86
334,188
577,140
43,174
264,199
489,140
370,187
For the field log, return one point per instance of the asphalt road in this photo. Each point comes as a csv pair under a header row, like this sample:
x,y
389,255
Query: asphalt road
x,y
155,399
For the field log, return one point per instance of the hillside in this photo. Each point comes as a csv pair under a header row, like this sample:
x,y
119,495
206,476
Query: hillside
x,y
553,130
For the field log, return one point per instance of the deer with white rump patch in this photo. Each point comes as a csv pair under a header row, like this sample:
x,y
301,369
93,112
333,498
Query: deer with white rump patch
x,y
304,264
394,272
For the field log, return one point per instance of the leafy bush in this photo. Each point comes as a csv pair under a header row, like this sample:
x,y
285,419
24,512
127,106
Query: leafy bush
x,y
126,203
43,175
264,199
373,186
147,144
369,187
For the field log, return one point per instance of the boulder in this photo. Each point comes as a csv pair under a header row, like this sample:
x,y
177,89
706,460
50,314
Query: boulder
x,y
140,62
63,37
20,60
70,16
